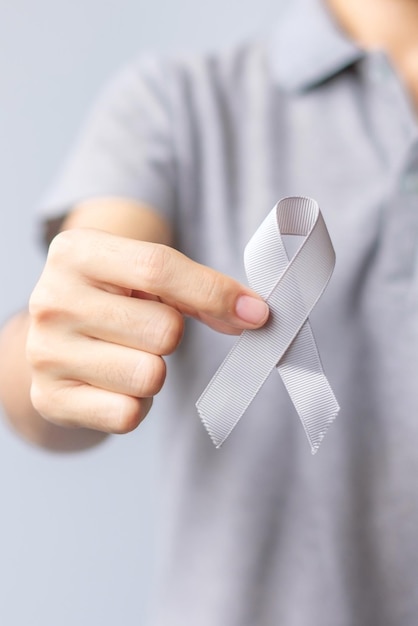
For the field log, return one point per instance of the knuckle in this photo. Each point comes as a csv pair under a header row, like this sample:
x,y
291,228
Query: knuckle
x,y
152,263
132,412
39,302
50,400
50,293
62,245
156,375
50,299
148,376
38,353
215,289
31,348
171,332
74,247
164,332
40,400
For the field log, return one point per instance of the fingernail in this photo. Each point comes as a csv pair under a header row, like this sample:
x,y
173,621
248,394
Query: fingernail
x,y
251,310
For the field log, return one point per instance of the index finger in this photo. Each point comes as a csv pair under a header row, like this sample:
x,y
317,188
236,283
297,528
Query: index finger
x,y
194,289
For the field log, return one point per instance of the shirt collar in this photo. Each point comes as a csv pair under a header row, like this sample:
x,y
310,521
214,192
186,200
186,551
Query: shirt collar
x,y
307,46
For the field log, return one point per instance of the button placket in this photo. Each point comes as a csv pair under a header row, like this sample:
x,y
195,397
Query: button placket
x,y
399,132
401,223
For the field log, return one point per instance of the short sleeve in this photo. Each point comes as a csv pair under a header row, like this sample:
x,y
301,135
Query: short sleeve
x,y
125,147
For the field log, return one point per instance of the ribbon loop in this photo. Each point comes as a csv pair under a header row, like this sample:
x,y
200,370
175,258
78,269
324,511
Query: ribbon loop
x,y
291,289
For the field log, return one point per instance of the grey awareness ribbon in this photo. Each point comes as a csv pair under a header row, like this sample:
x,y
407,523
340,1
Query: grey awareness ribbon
x,y
291,289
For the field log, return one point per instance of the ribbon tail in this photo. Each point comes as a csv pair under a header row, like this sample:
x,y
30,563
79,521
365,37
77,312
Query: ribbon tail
x,y
237,382
303,376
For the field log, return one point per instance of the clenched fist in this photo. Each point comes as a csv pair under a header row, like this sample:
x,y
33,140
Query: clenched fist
x,y
105,312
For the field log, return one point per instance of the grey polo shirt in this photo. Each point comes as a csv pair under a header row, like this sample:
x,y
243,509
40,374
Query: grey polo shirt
x,y
260,533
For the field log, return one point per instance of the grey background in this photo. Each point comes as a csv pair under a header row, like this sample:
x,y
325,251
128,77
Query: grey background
x,y
76,532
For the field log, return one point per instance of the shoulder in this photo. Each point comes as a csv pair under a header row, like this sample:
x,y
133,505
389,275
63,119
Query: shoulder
x,y
193,75
224,69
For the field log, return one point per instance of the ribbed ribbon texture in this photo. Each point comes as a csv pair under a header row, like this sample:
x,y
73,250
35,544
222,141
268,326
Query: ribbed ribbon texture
x,y
286,342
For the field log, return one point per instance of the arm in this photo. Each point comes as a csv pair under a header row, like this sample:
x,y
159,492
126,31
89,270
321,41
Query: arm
x,y
108,307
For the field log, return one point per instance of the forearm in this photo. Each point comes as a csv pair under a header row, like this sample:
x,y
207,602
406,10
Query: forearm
x,y
15,381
